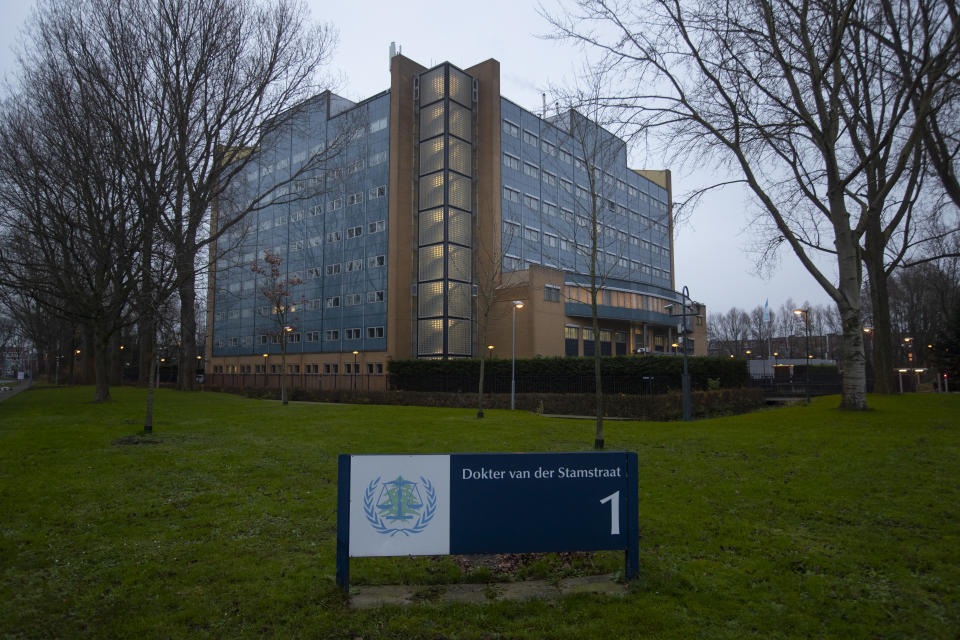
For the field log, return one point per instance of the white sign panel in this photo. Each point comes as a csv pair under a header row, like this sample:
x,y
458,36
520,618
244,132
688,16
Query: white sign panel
x,y
399,505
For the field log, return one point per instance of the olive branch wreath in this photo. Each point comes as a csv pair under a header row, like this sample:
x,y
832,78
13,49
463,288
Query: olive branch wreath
x,y
377,523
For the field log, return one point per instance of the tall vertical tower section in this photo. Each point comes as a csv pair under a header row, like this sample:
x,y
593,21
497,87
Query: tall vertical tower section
x,y
445,99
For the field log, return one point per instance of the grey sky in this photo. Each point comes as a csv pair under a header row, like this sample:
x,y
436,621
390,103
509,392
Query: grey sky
x,y
712,251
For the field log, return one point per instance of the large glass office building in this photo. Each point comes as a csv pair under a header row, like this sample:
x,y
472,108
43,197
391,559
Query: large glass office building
x,y
423,198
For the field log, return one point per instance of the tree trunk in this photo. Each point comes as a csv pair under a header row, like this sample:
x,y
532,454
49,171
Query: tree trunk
x,y
186,376
116,360
480,389
882,333
597,377
101,363
152,351
854,396
283,368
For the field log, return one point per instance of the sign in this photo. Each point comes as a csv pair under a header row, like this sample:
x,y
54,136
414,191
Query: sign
x,y
399,505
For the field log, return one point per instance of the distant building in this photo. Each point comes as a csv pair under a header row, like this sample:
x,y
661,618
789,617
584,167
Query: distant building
x,y
445,188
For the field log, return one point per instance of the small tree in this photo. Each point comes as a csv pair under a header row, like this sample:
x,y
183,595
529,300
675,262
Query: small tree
x,y
277,289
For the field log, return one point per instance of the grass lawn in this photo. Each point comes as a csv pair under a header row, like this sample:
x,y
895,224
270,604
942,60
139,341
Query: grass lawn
x,y
803,522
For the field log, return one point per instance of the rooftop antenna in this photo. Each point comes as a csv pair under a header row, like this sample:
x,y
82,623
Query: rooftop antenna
x,y
394,51
544,95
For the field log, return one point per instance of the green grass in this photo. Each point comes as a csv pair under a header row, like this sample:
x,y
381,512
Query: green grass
x,y
799,522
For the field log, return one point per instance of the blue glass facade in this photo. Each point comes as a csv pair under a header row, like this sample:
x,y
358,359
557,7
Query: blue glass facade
x,y
547,203
334,240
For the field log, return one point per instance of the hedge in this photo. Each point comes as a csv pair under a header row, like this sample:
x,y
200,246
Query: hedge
x,y
662,407
665,371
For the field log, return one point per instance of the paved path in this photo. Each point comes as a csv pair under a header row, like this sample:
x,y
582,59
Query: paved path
x,y
405,595
16,387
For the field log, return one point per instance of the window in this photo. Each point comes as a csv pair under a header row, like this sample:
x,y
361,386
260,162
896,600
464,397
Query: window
x,y
374,262
377,192
313,336
551,293
374,296
332,302
263,339
296,216
293,338
333,269
312,272
376,227
297,246
511,195
334,236
354,232
530,137
331,368
548,148
331,334
531,170
334,205
354,198
375,368
353,299
355,265
549,240
233,314
566,156
374,332
378,125
511,129
531,234
531,202
315,241
549,178
511,162
580,164
218,316
571,333
351,334
355,166
378,158
549,209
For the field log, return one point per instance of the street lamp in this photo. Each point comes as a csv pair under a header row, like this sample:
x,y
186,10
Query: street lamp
x,y
685,379
353,380
806,317
517,304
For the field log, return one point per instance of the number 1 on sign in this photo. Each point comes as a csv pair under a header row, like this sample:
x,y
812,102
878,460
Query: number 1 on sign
x,y
614,500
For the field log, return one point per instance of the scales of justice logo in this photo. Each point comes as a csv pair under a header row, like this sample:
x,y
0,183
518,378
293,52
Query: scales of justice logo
x,y
399,506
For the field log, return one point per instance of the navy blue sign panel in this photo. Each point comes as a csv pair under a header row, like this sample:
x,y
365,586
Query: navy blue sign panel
x,y
436,504
535,502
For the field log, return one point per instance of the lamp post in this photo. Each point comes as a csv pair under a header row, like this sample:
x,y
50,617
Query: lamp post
x,y
684,330
353,379
517,304
806,318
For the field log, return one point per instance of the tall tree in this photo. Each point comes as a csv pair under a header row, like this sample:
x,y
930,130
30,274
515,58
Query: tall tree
x,y
776,89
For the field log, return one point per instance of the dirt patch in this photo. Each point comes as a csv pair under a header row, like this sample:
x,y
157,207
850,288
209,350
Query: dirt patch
x,y
135,439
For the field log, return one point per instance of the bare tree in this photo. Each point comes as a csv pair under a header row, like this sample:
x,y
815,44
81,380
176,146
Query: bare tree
x,y
277,289
597,152
70,234
788,94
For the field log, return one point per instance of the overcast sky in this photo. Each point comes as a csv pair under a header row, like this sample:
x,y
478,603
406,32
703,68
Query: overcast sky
x,y
713,249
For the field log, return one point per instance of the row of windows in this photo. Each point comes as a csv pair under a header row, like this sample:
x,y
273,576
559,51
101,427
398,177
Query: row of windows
x,y
552,150
372,368
311,304
336,204
378,226
352,333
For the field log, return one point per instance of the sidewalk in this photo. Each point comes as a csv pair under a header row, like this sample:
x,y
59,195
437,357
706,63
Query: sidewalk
x,y
15,387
